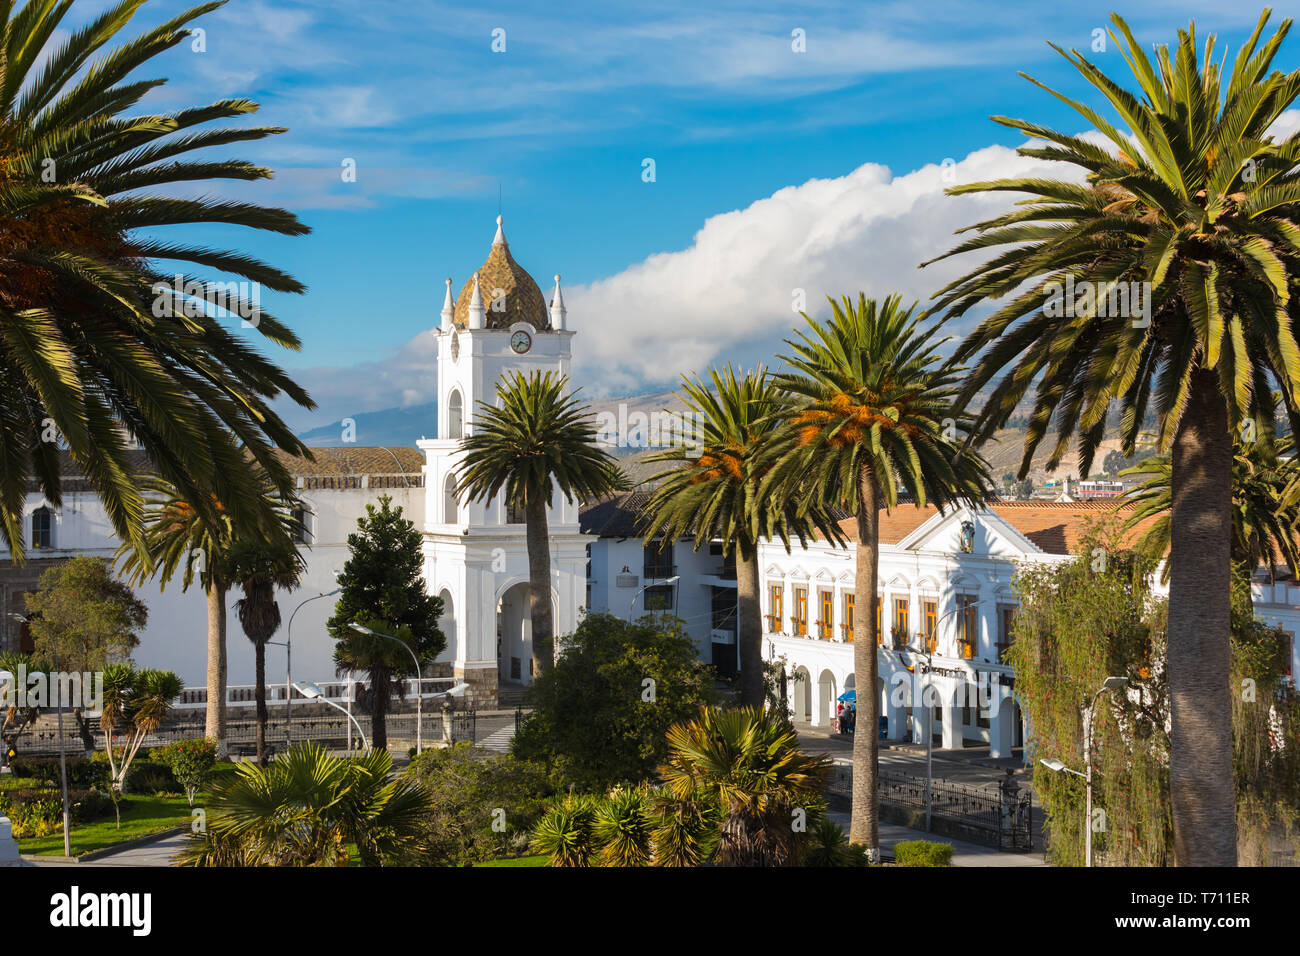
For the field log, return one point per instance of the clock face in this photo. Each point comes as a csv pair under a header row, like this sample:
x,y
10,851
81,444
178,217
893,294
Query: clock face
x,y
521,342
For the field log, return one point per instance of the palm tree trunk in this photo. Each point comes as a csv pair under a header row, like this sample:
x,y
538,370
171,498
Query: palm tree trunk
x,y
539,584
215,714
864,827
749,630
259,655
1201,780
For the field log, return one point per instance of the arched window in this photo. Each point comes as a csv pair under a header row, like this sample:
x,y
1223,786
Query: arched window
x,y
301,526
447,623
42,528
450,504
455,415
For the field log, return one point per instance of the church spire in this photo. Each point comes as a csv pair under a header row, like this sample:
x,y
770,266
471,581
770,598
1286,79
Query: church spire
x,y
557,307
448,309
477,314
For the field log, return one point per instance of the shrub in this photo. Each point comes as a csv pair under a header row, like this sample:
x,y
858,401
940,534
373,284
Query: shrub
x,y
82,773
39,811
923,853
480,807
565,833
830,847
590,721
191,762
145,775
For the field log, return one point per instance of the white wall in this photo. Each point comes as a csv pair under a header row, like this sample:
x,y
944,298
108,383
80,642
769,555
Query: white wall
x,y
176,635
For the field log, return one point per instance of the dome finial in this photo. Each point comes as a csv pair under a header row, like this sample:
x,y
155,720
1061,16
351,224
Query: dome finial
x,y
500,239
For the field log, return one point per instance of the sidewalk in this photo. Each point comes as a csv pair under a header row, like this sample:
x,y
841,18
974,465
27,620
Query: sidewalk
x,y
158,853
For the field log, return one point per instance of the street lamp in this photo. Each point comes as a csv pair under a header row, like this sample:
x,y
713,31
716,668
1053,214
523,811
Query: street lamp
x,y
657,583
288,665
419,683
1114,685
312,692
929,711
63,760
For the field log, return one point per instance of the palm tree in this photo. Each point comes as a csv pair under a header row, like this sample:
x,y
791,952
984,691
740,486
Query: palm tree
x,y
98,346
748,761
180,537
259,570
1264,523
305,807
877,420
1195,211
539,439
136,703
713,494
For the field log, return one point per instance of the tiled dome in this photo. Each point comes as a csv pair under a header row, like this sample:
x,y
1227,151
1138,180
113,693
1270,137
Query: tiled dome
x,y
524,301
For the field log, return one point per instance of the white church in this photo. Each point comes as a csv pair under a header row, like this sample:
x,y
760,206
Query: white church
x,y
945,580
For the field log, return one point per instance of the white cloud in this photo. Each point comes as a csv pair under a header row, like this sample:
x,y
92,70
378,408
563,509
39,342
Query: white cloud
x,y
734,287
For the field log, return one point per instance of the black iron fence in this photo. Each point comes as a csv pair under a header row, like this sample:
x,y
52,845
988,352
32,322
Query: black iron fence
x,y
997,815
333,730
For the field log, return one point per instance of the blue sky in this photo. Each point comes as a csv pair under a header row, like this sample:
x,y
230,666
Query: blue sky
x,y
817,168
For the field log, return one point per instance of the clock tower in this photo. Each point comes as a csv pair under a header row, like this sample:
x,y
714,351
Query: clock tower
x,y
475,556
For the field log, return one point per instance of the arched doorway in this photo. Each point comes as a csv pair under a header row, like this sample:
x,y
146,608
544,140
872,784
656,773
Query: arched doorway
x,y
515,636
826,698
802,695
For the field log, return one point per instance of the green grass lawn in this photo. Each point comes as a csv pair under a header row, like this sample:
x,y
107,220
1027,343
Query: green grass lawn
x,y
141,815
518,861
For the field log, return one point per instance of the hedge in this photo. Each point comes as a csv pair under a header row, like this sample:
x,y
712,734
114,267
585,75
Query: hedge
x,y
923,853
145,775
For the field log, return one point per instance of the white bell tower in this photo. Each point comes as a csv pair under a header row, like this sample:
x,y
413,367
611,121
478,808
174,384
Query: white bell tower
x,y
475,557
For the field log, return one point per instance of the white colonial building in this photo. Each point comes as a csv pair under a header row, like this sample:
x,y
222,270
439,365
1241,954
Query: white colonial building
x,y
335,489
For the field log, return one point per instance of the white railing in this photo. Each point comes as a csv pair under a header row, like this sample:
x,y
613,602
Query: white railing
x,y
338,690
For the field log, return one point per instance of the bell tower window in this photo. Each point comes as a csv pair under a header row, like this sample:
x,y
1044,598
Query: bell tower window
x,y
455,415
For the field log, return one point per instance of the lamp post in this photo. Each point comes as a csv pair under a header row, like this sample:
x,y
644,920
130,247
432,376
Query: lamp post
x,y
419,682
657,583
1111,684
63,759
929,712
288,665
312,692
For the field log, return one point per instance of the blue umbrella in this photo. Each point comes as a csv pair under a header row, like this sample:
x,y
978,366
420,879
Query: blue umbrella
x,y
849,697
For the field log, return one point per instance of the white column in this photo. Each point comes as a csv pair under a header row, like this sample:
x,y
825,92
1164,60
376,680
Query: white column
x,y
952,734
815,689
988,625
